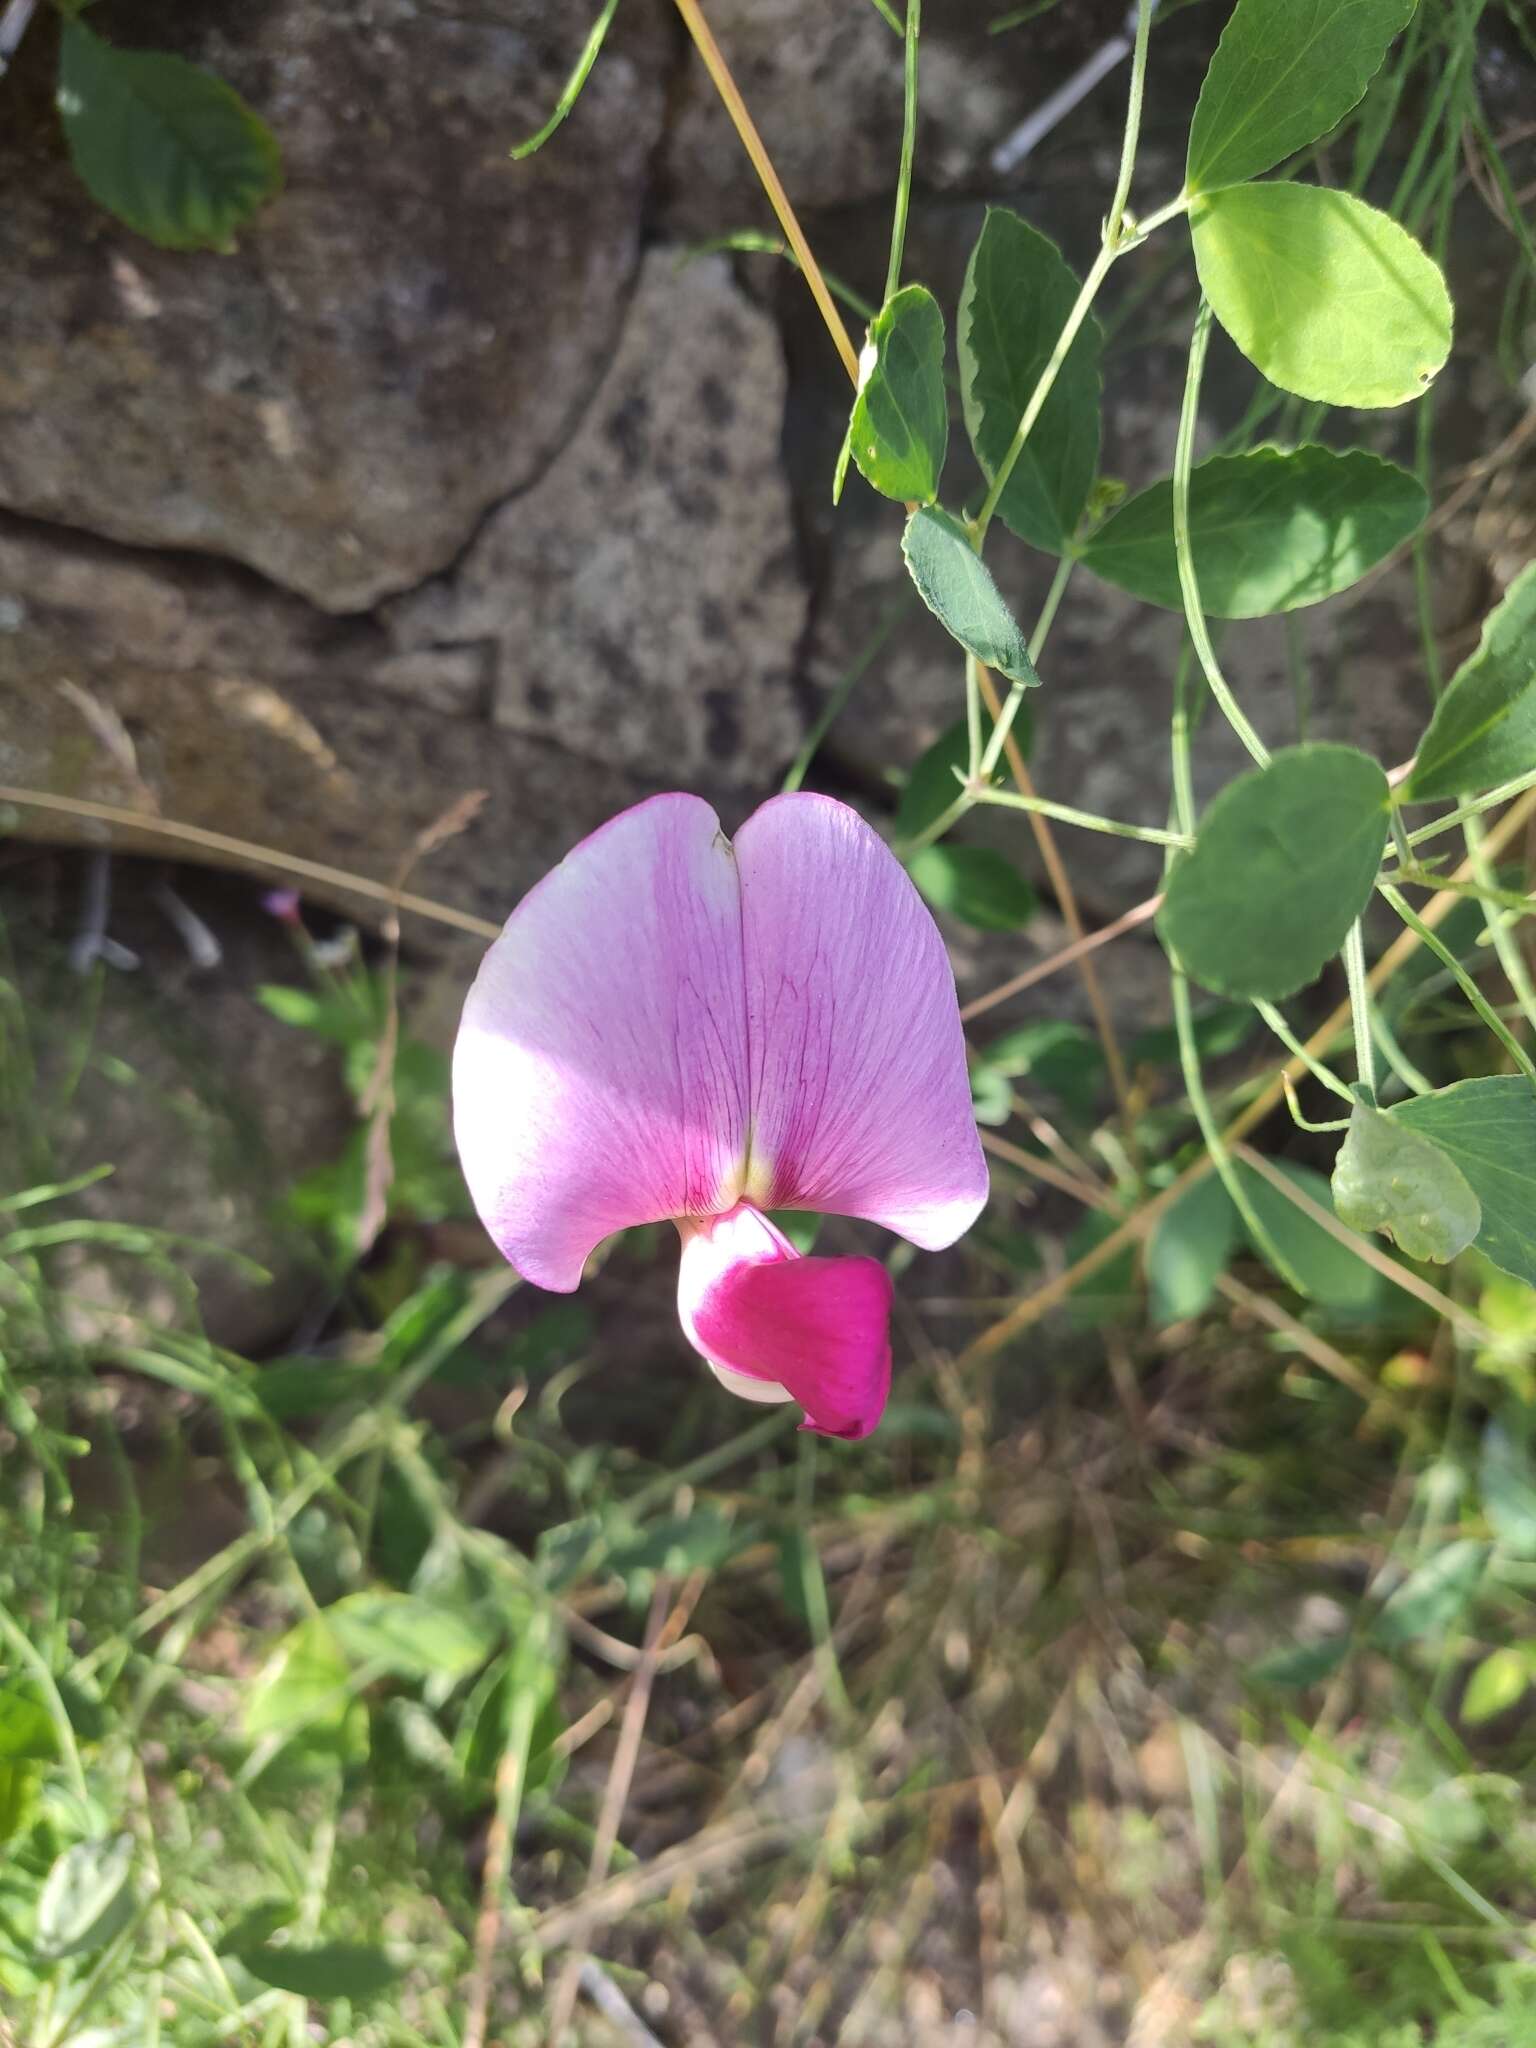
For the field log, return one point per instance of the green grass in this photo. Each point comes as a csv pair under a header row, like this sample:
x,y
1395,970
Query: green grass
x,y
1129,1671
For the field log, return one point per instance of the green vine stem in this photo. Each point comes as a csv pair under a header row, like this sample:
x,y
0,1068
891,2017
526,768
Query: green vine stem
x,y
1189,584
1464,981
1360,1010
908,149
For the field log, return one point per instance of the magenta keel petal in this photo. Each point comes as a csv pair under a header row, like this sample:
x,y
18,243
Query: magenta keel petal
x,y
814,1330
600,1073
860,1099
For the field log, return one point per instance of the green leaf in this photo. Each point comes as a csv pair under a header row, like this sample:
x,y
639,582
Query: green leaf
x,y
86,1899
1388,1178
1270,530
1431,1598
168,148
1506,1476
956,585
1221,1029
1299,1665
934,782
1303,838
1489,1128
1484,728
27,1733
1284,72
991,1095
409,1636
1190,1250
1054,1054
975,884
334,1969
1496,1685
18,1798
801,1226
257,1925
1323,294
1013,305
1328,1272
305,1683
899,432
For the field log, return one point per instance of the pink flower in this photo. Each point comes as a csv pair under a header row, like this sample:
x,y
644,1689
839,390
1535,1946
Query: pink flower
x,y
673,1026
282,904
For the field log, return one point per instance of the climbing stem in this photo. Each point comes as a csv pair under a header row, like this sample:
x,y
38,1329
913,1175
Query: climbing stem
x,y
1360,1010
1043,807
1188,581
1464,981
1506,942
908,148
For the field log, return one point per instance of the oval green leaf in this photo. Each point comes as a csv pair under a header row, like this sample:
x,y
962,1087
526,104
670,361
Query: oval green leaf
x,y
1326,1270
1270,530
168,148
1328,297
1284,72
1014,303
334,1969
1303,838
1390,1179
899,432
1489,1128
975,884
1189,1251
1484,728
956,585
1497,1684
1433,1598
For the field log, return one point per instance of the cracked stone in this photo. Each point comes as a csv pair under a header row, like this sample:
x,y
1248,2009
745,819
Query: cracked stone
x,y
645,605
405,336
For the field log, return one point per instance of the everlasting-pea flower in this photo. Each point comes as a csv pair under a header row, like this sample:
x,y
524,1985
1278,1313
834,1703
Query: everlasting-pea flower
x,y
671,1025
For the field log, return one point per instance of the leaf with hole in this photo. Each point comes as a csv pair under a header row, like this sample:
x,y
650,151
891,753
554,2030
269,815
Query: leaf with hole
x,y
1284,72
1303,837
1014,304
935,780
1390,1179
87,1898
1489,1128
1189,1251
1270,530
1323,294
975,884
332,1969
899,432
957,587
1484,728
167,147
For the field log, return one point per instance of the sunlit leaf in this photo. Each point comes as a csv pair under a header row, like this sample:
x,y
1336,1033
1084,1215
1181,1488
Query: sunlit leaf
x,y
1014,303
1489,1128
975,884
899,431
1323,294
1270,530
1302,837
305,1683
1484,728
86,1899
410,1636
167,147
1432,1597
956,585
1389,1178
1496,1685
1284,72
